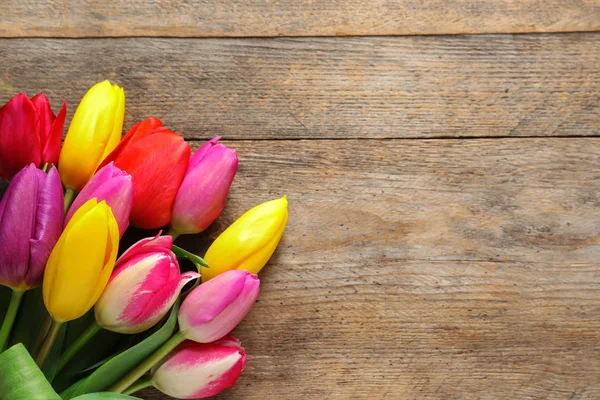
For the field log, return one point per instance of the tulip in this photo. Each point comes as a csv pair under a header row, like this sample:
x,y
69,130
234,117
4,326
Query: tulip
x,y
31,214
201,196
30,224
249,242
82,261
114,186
214,308
207,314
94,132
29,133
196,371
156,159
143,287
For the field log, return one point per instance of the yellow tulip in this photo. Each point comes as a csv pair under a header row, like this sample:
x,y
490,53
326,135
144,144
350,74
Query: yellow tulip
x,y
249,242
94,132
81,262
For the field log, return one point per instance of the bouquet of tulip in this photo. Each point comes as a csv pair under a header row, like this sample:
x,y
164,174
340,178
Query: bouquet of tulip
x,y
81,322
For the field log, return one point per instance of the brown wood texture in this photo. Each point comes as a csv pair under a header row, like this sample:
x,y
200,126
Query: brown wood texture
x,y
214,18
424,269
403,87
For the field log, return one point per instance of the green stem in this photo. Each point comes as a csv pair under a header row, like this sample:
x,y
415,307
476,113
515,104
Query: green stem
x,y
41,335
69,197
199,261
9,318
147,364
172,232
77,345
40,359
139,385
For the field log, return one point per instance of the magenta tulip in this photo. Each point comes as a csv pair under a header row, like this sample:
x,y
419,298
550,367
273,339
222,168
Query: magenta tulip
x,y
114,186
31,216
201,196
29,133
143,287
197,371
214,308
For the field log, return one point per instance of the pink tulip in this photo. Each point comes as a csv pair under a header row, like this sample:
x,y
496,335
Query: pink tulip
x,y
114,186
143,287
201,196
197,371
214,308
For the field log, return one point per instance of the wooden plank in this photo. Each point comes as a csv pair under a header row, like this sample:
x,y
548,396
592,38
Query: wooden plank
x,y
424,269
403,87
213,18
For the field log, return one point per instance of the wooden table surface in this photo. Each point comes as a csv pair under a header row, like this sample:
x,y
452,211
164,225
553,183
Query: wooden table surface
x,y
444,231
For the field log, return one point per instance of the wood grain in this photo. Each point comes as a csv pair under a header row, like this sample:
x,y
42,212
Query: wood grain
x,y
404,87
424,269
213,18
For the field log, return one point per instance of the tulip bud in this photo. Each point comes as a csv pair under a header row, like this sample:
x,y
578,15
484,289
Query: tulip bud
x,y
94,132
81,262
214,308
31,214
201,196
156,159
29,133
196,371
250,241
143,287
114,186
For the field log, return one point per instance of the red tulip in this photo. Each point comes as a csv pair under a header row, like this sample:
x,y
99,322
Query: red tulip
x,y
156,158
29,133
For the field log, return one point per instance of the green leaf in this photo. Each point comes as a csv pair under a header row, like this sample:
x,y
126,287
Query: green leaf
x,y
108,374
20,377
104,396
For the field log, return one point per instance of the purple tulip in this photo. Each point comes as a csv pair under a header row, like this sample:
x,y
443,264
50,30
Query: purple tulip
x,y
196,371
201,196
142,288
114,186
214,308
31,216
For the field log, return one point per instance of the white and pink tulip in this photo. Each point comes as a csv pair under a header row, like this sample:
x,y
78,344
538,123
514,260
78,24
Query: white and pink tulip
x,y
196,371
143,287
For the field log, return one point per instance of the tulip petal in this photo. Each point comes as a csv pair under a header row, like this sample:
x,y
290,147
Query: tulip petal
x,y
214,308
112,185
194,371
51,151
19,140
250,241
46,116
49,216
147,245
201,152
202,194
17,226
81,262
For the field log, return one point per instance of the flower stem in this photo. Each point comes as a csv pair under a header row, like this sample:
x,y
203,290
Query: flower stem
x,y
77,345
139,385
40,359
199,261
41,335
69,197
9,318
147,364
173,233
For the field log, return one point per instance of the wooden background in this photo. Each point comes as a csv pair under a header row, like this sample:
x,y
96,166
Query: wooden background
x,y
444,232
